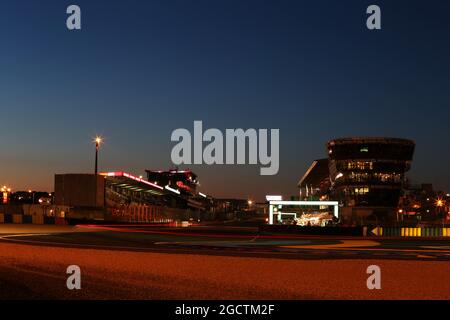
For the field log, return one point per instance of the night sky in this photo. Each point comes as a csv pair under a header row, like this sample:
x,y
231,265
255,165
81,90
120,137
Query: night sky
x,y
140,69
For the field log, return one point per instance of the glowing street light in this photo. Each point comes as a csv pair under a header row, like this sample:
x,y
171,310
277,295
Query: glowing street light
x,y
439,203
5,194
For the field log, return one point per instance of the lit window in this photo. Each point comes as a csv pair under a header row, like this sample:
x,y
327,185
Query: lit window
x,y
361,190
360,165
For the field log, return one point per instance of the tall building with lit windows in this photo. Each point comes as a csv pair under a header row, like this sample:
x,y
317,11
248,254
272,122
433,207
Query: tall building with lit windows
x,y
367,175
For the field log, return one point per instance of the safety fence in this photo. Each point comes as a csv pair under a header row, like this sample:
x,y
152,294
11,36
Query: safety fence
x,y
363,231
31,219
412,232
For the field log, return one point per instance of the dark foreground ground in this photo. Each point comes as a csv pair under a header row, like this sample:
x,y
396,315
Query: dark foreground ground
x,y
214,262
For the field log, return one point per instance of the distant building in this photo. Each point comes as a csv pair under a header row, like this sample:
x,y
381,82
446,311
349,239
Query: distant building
x,y
423,203
31,197
183,180
233,208
315,183
364,174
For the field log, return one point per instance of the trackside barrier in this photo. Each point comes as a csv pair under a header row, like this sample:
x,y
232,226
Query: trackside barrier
x,y
433,232
37,219
446,232
30,219
331,231
17,218
391,232
60,221
411,232
49,220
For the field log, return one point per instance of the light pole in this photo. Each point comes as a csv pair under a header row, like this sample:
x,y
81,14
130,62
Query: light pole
x,y
439,204
32,196
98,141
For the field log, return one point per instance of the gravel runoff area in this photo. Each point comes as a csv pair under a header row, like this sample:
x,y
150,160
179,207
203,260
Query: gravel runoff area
x,y
39,272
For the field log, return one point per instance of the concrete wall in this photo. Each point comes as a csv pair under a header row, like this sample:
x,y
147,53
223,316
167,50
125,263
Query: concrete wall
x,y
88,214
35,210
79,190
11,209
57,211
33,213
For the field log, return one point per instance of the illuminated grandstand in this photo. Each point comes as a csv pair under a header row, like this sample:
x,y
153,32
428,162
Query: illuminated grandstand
x,y
120,196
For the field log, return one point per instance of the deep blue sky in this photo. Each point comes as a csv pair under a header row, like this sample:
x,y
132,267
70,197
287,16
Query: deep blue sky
x,y
140,69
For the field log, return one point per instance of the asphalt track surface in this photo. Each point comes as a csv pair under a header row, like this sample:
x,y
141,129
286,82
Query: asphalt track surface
x,y
214,262
228,240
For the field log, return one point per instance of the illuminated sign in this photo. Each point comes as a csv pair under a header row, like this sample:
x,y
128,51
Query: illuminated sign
x,y
127,175
274,198
364,149
183,186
